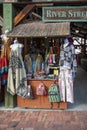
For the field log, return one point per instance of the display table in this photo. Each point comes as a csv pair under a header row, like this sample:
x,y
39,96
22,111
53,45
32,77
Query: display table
x,y
39,101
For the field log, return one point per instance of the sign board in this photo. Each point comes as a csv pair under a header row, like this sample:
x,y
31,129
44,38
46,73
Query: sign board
x,y
64,13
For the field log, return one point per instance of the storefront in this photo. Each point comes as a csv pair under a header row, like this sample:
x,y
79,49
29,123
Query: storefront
x,y
41,38
44,37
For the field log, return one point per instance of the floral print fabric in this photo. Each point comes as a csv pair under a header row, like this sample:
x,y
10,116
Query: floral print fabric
x,y
68,66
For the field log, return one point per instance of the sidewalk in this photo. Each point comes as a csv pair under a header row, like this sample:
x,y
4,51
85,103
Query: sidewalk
x,y
43,120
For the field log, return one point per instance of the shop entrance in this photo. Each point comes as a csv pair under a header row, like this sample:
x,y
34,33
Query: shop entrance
x,y
80,80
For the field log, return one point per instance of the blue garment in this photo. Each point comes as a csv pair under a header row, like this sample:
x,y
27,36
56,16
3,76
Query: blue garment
x,y
33,65
73,75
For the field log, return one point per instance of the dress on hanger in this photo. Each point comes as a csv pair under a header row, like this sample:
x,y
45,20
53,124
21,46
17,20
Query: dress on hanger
x,y
17,82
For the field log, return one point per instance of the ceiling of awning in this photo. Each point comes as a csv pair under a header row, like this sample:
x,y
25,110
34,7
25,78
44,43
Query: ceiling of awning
x,y
79,29
40,29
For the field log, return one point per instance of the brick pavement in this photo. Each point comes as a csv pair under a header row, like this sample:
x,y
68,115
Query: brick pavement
x,y
43,120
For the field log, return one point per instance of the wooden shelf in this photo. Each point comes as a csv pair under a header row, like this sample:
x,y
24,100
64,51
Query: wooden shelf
x,y
39,101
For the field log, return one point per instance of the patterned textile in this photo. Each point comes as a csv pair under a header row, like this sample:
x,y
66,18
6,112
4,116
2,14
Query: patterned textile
x,y
3,70
17,83
68,67
28,63
68,57
53,93
66,85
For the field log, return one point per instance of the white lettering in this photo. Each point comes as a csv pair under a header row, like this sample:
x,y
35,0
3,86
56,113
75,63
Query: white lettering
x,y
49,14
77,14
84,14
74,14
64,14
54,14
70,13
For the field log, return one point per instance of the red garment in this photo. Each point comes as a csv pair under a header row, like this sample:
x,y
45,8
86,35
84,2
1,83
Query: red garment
x,y
3,63
3,70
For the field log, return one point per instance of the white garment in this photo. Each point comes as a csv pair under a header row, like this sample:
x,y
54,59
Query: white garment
x,y
66,85
66,42
68,64
17,45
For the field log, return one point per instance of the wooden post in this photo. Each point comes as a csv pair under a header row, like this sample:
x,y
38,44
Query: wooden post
x,y
10,101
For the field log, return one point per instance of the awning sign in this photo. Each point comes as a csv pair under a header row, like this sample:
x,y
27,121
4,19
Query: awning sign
x,y
64,13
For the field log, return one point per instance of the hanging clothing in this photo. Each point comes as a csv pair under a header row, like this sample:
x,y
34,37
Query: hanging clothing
x,y
3,70
17,82
66,85
67,64
28,63
3,66
68,57
33,58
38,66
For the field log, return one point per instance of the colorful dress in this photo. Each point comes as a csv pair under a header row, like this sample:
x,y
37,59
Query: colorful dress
x,y
3,70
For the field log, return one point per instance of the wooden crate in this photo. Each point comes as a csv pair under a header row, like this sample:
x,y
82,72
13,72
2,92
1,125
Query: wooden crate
x,y
39,101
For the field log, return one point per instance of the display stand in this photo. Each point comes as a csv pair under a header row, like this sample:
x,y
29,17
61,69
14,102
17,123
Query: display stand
x,y
39,101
